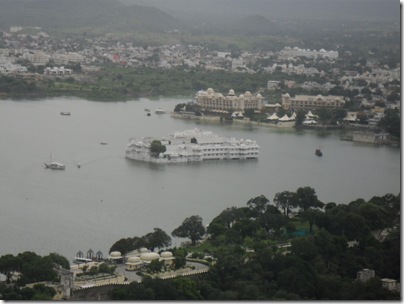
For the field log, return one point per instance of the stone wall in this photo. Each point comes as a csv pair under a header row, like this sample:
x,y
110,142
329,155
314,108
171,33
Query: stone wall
x,y
96,293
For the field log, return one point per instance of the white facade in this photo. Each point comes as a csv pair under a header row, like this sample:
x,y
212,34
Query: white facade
x,y
179,148
297,52
57,71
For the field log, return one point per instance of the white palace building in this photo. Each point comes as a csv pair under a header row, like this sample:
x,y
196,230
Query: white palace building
x,y
210,100
192,145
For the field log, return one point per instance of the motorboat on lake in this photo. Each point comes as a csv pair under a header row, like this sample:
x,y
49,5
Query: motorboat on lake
x,y
318,152
54,165
65,113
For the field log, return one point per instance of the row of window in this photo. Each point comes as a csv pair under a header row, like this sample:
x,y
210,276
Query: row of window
x,y
315,103
231,154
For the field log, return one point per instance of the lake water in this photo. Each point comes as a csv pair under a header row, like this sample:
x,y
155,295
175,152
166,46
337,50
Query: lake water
x,y
110,197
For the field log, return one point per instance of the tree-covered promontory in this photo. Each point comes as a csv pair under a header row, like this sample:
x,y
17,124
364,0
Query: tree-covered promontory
x,y
292,248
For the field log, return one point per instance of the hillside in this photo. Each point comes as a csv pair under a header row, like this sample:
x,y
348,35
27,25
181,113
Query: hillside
x,y
359,10
68,15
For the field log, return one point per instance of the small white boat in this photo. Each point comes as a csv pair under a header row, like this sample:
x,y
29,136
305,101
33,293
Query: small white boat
x,y
160,111
54,165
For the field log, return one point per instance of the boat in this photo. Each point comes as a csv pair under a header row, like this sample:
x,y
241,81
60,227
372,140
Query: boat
x,y
160,111
65,113
148,114
103,143
318,152
147,110
54,165
192,146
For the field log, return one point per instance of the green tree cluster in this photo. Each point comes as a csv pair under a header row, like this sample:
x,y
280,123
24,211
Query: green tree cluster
x,y
192,228
152,240
31,268
156,148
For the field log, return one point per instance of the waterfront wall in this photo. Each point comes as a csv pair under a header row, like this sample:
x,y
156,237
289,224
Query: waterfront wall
x,y
101,293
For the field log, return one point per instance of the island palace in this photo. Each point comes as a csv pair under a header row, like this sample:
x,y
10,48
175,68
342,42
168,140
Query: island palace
x,y
192,146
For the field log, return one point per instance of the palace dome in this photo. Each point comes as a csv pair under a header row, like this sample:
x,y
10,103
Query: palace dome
x,y
166,254
115,254
134,259
149,256
231,92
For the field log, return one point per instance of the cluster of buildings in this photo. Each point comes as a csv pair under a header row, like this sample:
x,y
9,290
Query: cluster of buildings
x,y
289,69
289,52
370,83
365,275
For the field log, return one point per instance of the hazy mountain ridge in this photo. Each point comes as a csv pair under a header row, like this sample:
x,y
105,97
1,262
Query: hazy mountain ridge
x,y
361,10
69,14
221,17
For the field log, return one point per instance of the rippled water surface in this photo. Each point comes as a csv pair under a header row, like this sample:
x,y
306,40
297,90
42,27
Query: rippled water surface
x,y
110,197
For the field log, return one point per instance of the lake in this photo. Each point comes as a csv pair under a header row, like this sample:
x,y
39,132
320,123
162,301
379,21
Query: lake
x,y
110,197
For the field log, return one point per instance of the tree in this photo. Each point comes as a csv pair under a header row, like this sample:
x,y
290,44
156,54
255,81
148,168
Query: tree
x,y
285,200
156,147
324,115
155,266
391,122
306,198
273,221
124,245
258,205
300,117
180,255
179,107
191,228
158,239
8,266
58,259
310,215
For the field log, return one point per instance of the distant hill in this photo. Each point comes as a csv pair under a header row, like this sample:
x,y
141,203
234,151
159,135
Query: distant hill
x,y
361,10
84,14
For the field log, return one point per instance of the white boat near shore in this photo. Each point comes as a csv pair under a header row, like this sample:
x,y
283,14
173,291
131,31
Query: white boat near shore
x,y
192,146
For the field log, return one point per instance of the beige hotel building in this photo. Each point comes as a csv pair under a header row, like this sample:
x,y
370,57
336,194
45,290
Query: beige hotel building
x,y
210,100
311,102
